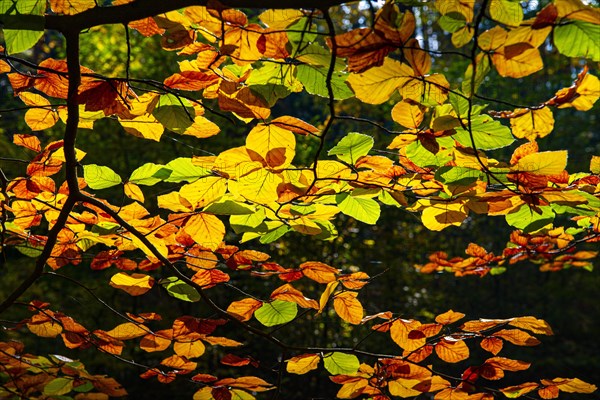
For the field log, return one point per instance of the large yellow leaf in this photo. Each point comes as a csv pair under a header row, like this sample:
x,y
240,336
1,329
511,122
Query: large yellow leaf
x,y
376,85
408,114
39,119
348,307
518,66
206,230
302,364
190,349
531,124
145,126
544,163
128,330
204,191
277,146
236,162
438,215
259,186
134,284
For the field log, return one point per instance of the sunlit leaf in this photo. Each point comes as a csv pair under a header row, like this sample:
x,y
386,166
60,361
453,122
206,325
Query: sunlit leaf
x,y
340,363
276,312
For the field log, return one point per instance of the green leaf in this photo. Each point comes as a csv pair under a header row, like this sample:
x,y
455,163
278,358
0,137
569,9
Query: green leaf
x,y
179,289
530,220
274,234
578,39
18,41
457,175
30,251
174,113
352,147
58,386
507,12
246,223
452,21
100,177
314,80
364,210
422,157
182,169
488,134
149,174
303,209
86,387
229,207
328,230
341,363
276,312
483,67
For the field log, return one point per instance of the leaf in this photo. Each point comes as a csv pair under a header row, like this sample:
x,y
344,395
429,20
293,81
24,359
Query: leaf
x,y
149,174
288,293
302,364
314,80
191,349
276,312
134,284
529,219
377,84
517,337
337,363
532,324
507,12
544,163
18,41
577,38
352,147
179,289
512,392
532,124
492,344
452,350
348,307
277,146
175,114
99,177
244,309
206,230
58,386
571,385
364,210
488,134
449,317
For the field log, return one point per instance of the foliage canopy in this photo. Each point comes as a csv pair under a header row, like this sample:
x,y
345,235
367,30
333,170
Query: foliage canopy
x,y
441,153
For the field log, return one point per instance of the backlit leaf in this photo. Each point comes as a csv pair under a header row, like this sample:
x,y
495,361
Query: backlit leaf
x,y
302,364
179,289
348,307
100,177
340,363
134,284
276,312
452,351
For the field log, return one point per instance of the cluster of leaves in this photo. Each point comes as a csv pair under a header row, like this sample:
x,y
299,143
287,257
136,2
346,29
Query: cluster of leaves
x,y
237,67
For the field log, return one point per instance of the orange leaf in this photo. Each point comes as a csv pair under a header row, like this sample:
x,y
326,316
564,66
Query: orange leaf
x,y
30,142
519,390
288,293
492,344
348,307
208,278
128,330
244,309
532,324
449,317
189,349
179,363
319,272
518,337
206,230
452,350
155,342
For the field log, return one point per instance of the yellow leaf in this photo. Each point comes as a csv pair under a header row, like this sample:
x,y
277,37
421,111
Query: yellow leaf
x,y
331,286
191,349
134,192
318,271
259,186
128,330
202,128
204,191
531,124
403,387
70,7
145,126
452,351
519,66
376,85
43,325
302,364
595,165
206,230
175,202
134,284
400,333
588,93
39,119
154,342
348,307
532,324
576,9
438,215
571,385
235,162
408,114
544,163
428,90
277,146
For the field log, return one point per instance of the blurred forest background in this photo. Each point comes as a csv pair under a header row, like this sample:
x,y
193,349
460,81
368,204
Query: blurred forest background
x,y
569,300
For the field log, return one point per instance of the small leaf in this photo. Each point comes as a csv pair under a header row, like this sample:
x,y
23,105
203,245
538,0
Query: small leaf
x,y
58,386
134,284
149,174
276,312
179,289
100,177
352,147
341,363
302,364
364,210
